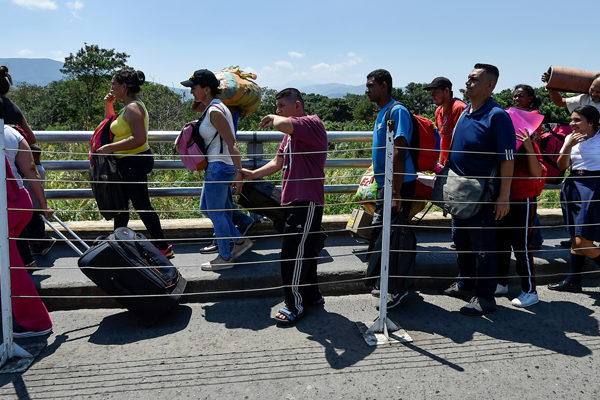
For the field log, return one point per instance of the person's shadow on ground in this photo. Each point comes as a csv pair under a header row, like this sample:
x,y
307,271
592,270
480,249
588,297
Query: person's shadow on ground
x,y
337,334
341,341
544,325
253,314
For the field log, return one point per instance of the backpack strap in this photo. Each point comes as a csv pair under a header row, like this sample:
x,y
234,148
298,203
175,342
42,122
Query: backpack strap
x,y
414,135
196,131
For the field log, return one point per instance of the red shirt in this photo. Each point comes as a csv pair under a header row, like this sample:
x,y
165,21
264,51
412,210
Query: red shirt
x,y
445,123
526,188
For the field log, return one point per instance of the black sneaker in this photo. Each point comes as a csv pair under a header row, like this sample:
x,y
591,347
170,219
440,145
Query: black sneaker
x,y
478,306
394,300
212,248
566,243
456,291
565,286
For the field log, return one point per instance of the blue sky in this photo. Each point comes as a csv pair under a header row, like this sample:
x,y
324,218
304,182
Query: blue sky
x,y
300,42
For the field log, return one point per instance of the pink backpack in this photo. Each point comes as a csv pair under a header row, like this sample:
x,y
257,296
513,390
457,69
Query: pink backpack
x,y
192,147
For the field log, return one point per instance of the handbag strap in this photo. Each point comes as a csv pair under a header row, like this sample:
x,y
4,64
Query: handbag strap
x,y
454,130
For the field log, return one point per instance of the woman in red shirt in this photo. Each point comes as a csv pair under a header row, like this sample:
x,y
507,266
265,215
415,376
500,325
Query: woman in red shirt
x,y
516,228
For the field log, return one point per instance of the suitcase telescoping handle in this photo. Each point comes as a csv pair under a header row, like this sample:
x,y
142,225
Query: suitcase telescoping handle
x,y
62,236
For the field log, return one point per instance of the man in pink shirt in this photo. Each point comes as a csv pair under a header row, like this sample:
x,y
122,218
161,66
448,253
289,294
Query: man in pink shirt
x,y
447,113
301,156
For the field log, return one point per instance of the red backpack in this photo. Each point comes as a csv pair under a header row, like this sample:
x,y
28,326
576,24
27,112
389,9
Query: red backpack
x,y
102,135
424,149
551,141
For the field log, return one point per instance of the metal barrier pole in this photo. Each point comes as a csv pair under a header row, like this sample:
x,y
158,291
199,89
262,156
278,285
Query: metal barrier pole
x,y
383,325
9,349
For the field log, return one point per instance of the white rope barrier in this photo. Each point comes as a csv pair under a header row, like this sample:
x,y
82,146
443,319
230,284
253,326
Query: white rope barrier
x,y
383,324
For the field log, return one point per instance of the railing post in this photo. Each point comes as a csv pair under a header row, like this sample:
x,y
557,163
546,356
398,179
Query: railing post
x,y
8,349
382,326
255,150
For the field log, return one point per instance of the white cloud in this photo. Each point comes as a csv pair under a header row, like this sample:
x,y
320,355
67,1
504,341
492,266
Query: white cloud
x,y
284,64
25,53
75,5
353,59
36,4
295,54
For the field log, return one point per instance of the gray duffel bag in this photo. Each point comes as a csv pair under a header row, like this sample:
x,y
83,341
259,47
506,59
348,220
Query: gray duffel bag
x,y
461,196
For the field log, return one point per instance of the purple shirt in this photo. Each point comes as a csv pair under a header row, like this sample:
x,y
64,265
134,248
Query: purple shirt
x,y
300,170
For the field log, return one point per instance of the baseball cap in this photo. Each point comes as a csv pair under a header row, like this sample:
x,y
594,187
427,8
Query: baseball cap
x,y
202,77
439,82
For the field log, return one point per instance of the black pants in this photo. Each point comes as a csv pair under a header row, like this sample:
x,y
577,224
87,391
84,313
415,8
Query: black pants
x,y
298,255
407,194
520,221
135,170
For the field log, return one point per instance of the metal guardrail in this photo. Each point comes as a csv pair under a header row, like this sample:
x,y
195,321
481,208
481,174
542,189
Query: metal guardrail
x,y
254,159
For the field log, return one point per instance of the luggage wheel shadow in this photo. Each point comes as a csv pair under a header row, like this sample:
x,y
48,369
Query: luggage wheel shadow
x,y
124,327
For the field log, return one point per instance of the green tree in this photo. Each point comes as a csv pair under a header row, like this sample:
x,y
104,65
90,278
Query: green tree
x,y
364,111
93,66
167,109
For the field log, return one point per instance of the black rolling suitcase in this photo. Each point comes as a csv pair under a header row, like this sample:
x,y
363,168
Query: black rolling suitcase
x,y
263,198
126,263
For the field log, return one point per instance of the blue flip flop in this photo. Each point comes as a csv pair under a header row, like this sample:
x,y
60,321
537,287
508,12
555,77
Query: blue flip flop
x,y
290,319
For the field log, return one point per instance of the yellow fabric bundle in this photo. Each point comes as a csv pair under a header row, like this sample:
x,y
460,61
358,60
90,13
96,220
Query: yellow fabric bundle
x,y
238,90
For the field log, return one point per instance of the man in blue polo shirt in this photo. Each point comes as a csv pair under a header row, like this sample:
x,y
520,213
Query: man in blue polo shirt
x,y
379,91
484,145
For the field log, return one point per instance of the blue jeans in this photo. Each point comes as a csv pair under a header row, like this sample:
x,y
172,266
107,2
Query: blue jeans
x,y
481,261
215,194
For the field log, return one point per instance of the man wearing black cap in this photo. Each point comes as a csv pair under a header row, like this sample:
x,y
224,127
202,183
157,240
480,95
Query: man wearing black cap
x,y
447,113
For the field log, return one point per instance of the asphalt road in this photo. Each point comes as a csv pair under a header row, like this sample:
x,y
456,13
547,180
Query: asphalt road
x,y
231,349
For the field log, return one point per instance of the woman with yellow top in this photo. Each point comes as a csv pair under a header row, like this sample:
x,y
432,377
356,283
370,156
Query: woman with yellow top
x,y
134,157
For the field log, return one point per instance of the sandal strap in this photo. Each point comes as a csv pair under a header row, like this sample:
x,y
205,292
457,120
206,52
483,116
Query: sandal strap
x,y
288,313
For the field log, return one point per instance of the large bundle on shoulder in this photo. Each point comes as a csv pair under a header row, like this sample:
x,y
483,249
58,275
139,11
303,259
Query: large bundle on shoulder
x,y
238,90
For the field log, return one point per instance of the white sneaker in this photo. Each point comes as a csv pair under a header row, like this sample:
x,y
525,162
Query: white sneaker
x,y
525,300
501,290
241,247
217,264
